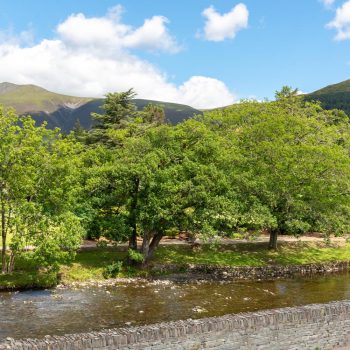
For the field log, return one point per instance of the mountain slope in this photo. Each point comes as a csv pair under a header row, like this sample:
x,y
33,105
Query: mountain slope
x,y
64,111
333,96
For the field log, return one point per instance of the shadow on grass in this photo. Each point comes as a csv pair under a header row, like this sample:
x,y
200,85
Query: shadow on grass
x,y
98,257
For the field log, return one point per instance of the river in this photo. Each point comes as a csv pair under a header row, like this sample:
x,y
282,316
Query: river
x,y
73,310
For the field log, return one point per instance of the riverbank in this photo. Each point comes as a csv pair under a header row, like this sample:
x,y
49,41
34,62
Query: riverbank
x,y
239,260
170,258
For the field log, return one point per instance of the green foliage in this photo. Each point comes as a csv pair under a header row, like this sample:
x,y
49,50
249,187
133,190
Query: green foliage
x,y
28,280
135,256
290,168
118,110
101,244
153,114
112,271
38,192
279,166
286,92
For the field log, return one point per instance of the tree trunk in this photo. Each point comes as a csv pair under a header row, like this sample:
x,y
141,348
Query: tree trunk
x,y
133,240
3,237
149,244
133,215
273,239
11,263
145,244
154,244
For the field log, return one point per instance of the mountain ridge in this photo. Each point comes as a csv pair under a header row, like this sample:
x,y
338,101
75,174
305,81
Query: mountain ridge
x,y
64,111
333,96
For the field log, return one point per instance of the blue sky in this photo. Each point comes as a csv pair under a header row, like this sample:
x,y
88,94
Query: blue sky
x,y
199,52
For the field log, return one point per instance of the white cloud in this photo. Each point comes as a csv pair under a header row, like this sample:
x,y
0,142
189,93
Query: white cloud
x,y
301,92
92,56
205,92
109,33
341,22
153,35
220,27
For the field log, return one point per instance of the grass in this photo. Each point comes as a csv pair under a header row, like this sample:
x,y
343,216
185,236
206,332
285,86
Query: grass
x,y
255,254
26,98
27,276
89,265
23,280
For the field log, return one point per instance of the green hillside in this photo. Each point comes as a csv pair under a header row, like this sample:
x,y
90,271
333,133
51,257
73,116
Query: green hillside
x,y
31,98
64,111
174,112
333,96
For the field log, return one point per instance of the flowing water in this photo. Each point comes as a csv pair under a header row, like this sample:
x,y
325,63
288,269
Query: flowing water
x,y
61,311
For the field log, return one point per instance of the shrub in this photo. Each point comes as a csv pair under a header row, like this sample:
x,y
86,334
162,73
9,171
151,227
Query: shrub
x,y
135,256
111,271
102,244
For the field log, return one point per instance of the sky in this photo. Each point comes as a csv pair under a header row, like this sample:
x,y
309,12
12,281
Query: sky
x,y
205,53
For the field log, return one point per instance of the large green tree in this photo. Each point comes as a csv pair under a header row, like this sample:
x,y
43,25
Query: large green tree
x,y
293,169
119,122
37,184
171,177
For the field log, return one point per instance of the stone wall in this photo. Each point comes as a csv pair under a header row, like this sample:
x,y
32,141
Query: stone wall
x,y
268,272
321,326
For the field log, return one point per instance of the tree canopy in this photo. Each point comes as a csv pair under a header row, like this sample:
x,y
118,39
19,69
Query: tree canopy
x,y
38,186
280,167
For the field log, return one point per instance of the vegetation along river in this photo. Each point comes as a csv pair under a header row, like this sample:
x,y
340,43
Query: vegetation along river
x,y
84,309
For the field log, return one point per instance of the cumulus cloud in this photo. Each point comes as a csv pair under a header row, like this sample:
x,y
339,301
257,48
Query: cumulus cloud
x,y
93,56
110,32
205,92
152,35
220,27
341,22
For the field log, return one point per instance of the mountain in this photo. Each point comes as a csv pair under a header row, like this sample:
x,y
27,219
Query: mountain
x,y
333,96
64,111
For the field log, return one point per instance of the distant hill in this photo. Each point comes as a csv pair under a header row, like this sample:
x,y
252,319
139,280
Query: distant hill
x,y
64,111
333,96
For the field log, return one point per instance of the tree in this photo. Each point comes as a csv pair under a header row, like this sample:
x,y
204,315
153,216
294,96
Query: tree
x,y
120,122
36,192
287,92
292,173
118,111
168,178
79,133
153,114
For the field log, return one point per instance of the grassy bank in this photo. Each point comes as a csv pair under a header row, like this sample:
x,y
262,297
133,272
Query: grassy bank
x,y
256,254
89,265
23,280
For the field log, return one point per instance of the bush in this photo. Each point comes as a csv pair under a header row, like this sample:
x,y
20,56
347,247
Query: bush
x,y
112,271
237,235
102,244
135,256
